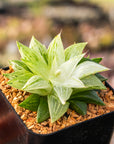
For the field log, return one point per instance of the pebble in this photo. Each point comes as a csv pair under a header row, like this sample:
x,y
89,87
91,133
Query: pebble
x,y
15,96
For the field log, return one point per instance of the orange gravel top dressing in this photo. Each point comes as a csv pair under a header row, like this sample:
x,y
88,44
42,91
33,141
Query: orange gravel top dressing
x,y
16,96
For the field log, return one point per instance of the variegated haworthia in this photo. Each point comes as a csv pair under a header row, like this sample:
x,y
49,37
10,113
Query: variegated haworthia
x,y
56,78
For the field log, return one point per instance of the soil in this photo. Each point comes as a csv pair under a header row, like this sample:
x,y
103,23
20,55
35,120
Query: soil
x,y
16,96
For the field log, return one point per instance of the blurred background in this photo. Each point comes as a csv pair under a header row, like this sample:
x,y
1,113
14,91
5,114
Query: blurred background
x,y
79,20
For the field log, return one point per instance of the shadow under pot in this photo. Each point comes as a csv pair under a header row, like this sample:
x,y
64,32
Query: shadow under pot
x,y
94,131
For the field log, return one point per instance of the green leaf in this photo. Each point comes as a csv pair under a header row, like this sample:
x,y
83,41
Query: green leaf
x,y
73,83
36,82
74,50
31,103
57,75
67,68
38,68
91,82
22,74
37,85
34,61
18,84
18,78
88,68
100,77
9,75
88,97
97,60
83,60
43,110
63,93
42,92
56,50
53,70
56,109
18,65
25,52
79,106
70,83
64,72
38,47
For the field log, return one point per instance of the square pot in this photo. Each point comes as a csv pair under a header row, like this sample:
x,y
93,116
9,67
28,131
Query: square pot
x,y
94,131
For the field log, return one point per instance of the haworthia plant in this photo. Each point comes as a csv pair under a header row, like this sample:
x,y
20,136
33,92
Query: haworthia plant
x,y
56,78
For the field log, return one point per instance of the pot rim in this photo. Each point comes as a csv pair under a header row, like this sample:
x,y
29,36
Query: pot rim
x,y
77,124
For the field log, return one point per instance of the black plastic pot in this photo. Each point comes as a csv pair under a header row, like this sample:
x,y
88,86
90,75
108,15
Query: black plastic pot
x,y
94,131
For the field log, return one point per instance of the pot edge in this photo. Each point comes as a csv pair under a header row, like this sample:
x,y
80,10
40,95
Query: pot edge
x,y
30,131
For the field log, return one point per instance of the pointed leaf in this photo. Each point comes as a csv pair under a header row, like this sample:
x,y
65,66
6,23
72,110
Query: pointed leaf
x,y
38,68
53,70
87,68
79,106
18,79
56,109
74,50
36,82
101,77
97,60
64,72
68,67
38,47
73,83
37,85
91,82
18,84
18,65
83,60
56,50
33,60
42,92
25,52
88,97
70,83
43,110
63,93
31,103
21,74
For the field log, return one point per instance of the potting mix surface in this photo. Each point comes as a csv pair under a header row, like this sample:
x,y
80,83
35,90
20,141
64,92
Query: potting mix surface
x,y
15,97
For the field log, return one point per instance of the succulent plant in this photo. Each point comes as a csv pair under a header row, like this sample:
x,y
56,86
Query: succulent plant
x,y
56,78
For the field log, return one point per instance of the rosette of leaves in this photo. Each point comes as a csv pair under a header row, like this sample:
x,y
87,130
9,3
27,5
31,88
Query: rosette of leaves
x,y
56,78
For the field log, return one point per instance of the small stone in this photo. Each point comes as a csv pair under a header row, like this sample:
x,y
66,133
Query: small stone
x,y
15,96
